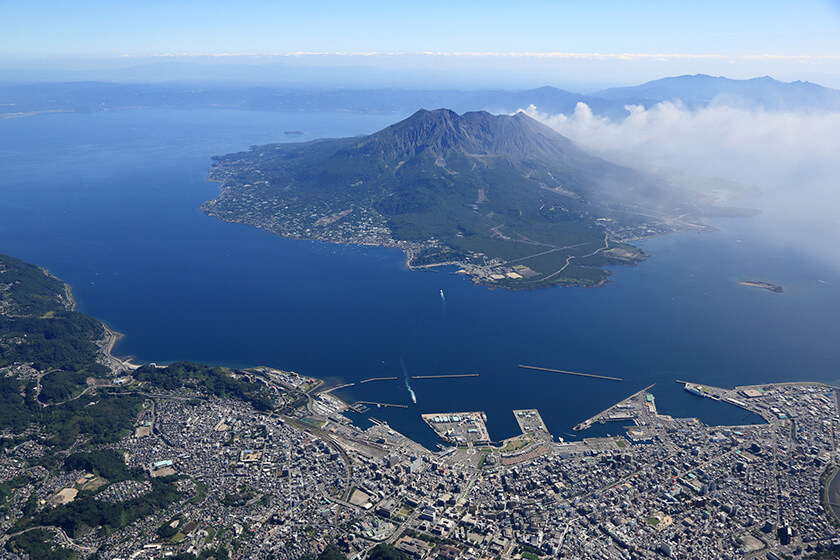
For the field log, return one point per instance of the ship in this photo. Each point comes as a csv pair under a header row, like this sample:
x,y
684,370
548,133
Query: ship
x,y
698,390
695,390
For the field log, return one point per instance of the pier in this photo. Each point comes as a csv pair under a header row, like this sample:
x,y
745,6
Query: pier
x,y
536,368
358,408
449,376
377,379
331,389
379,404
604,414
459,428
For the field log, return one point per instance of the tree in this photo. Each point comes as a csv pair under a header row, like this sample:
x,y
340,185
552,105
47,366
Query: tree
x,y
384,551
332,552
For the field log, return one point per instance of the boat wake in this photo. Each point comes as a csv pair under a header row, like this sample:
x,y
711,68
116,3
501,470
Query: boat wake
x,y
407,384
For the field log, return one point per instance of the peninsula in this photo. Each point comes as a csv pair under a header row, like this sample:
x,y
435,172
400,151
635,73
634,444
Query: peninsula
x,y
505,199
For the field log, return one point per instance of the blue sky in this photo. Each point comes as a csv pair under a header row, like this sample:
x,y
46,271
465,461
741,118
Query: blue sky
x,y
752,33
97,28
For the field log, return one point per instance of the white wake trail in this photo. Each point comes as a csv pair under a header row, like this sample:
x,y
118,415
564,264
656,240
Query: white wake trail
x,y
407,384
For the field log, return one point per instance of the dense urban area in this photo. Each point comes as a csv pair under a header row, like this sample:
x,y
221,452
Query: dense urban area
x,y
104,459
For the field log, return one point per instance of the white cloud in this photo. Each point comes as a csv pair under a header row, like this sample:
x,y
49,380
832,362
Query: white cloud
x,y
726,140
793,157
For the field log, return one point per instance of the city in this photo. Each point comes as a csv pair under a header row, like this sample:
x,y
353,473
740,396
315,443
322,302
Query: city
x,y
286,483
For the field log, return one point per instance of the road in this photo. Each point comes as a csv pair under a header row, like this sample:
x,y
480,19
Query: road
x,y
66,541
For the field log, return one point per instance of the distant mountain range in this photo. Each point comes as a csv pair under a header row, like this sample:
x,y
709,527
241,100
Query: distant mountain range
x,y
693,91
505,198
701,90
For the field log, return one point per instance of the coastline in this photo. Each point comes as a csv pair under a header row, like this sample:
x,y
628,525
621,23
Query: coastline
x,y
107,346
411,249
107,343
71,302
68,300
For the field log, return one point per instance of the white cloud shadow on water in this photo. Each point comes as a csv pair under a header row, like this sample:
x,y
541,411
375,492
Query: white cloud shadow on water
x,y
793,157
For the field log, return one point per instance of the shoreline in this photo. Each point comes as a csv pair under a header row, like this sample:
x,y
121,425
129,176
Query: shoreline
x,y
107,343
110,340
410,250
71,301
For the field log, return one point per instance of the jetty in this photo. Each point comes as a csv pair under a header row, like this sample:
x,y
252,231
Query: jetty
x,y
537,368
445,376
337,388
377,379
379,404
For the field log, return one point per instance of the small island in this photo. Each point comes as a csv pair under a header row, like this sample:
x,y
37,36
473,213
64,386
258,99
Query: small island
x,y
775,288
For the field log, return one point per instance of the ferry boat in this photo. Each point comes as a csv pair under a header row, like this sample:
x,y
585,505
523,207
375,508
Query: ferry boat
x,y
698,390
695,391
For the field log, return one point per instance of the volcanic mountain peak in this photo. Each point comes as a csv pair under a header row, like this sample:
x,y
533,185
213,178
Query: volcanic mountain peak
x,y
475,133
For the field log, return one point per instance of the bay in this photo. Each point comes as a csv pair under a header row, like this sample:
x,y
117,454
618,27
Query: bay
x,y
109,203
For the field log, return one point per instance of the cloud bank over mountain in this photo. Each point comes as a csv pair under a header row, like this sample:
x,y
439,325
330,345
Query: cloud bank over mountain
x,y
791,156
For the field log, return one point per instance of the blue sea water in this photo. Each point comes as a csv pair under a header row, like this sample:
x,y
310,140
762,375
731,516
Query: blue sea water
x,y
109,203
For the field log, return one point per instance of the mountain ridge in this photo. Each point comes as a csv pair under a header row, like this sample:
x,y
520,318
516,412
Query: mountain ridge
x,y
88,96
701,89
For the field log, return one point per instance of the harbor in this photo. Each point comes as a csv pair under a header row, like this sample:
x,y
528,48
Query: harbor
x,y
633,409
459,428
531,423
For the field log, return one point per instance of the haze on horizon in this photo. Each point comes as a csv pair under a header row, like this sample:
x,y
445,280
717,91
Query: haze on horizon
x,y
438,44
582,47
